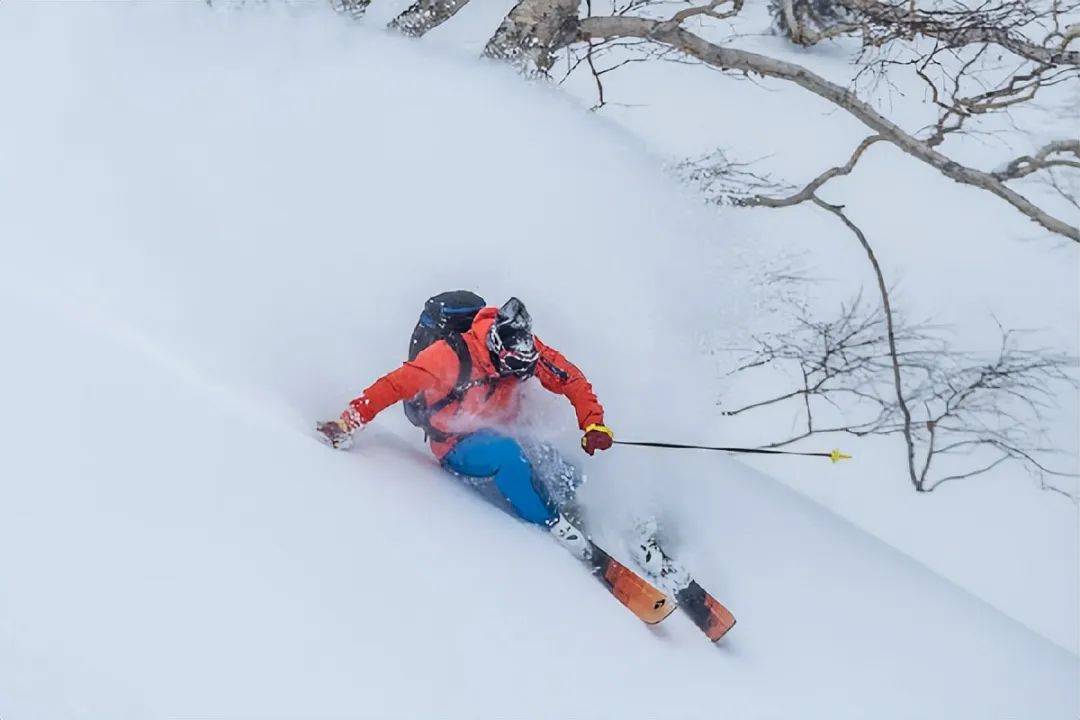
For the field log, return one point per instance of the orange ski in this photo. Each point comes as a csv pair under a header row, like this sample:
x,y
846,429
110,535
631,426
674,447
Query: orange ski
x,y
641,598
706,611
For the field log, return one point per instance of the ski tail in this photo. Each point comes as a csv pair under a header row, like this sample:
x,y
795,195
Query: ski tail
x,y
706,611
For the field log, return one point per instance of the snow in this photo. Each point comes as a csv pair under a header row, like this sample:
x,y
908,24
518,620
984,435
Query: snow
x,y
954,256
217,227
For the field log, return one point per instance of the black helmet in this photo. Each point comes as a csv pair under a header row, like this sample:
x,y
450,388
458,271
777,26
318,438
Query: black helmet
x,y
511,342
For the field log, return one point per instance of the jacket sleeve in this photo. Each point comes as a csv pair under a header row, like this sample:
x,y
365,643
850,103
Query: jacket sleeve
x,y
559,375
434,370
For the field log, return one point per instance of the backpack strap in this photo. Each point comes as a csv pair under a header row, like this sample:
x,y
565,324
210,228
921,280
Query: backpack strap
x,y
465,365
463,385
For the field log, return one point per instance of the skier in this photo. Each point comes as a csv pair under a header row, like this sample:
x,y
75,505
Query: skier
x,y
463,387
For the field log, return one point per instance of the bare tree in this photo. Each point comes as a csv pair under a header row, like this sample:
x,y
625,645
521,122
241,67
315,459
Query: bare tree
x,y
670,32
958,412
534,31
868,357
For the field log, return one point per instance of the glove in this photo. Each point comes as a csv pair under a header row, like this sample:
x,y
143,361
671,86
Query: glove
x,y
597,437
338,434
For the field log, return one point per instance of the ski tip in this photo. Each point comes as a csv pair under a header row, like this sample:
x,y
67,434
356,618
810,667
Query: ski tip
x,y
662,609
644,600
720,622
719,632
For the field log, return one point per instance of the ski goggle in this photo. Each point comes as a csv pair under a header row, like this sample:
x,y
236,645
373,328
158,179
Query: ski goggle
x,y
520,364
519,360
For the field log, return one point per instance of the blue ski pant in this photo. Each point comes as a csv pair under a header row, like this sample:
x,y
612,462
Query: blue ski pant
x,y
488,454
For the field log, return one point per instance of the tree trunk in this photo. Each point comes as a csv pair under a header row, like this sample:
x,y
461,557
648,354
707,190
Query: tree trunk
x,y
533,31
352,8
425,15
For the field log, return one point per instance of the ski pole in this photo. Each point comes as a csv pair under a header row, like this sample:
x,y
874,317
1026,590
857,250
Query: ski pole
x,y
834,455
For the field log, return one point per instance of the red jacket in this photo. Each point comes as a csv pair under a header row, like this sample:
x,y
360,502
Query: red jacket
x,y
435,372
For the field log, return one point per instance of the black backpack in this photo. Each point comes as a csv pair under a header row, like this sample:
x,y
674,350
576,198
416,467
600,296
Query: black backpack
x,y
445,317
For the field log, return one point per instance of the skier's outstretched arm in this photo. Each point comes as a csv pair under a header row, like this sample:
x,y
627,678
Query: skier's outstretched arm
x,y
561,376
433,369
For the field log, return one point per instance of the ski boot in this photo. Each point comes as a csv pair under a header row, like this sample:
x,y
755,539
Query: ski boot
x,y
570,537
645,548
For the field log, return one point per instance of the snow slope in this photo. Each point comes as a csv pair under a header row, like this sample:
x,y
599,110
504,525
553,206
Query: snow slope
x,y
964,260
217,228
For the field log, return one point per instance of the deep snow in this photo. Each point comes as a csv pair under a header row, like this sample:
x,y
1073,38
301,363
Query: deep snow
x,y
216,229
954,255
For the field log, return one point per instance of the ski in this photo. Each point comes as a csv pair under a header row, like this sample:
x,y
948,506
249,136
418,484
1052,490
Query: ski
x,y
639,596
708,613
629,588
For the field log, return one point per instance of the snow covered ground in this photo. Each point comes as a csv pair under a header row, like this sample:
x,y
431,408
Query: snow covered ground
x,y
955,256
217,228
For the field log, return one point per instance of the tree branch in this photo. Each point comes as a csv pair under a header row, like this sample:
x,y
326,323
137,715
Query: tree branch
x,y
985,24
1041,160
886,304
807,193
724,58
